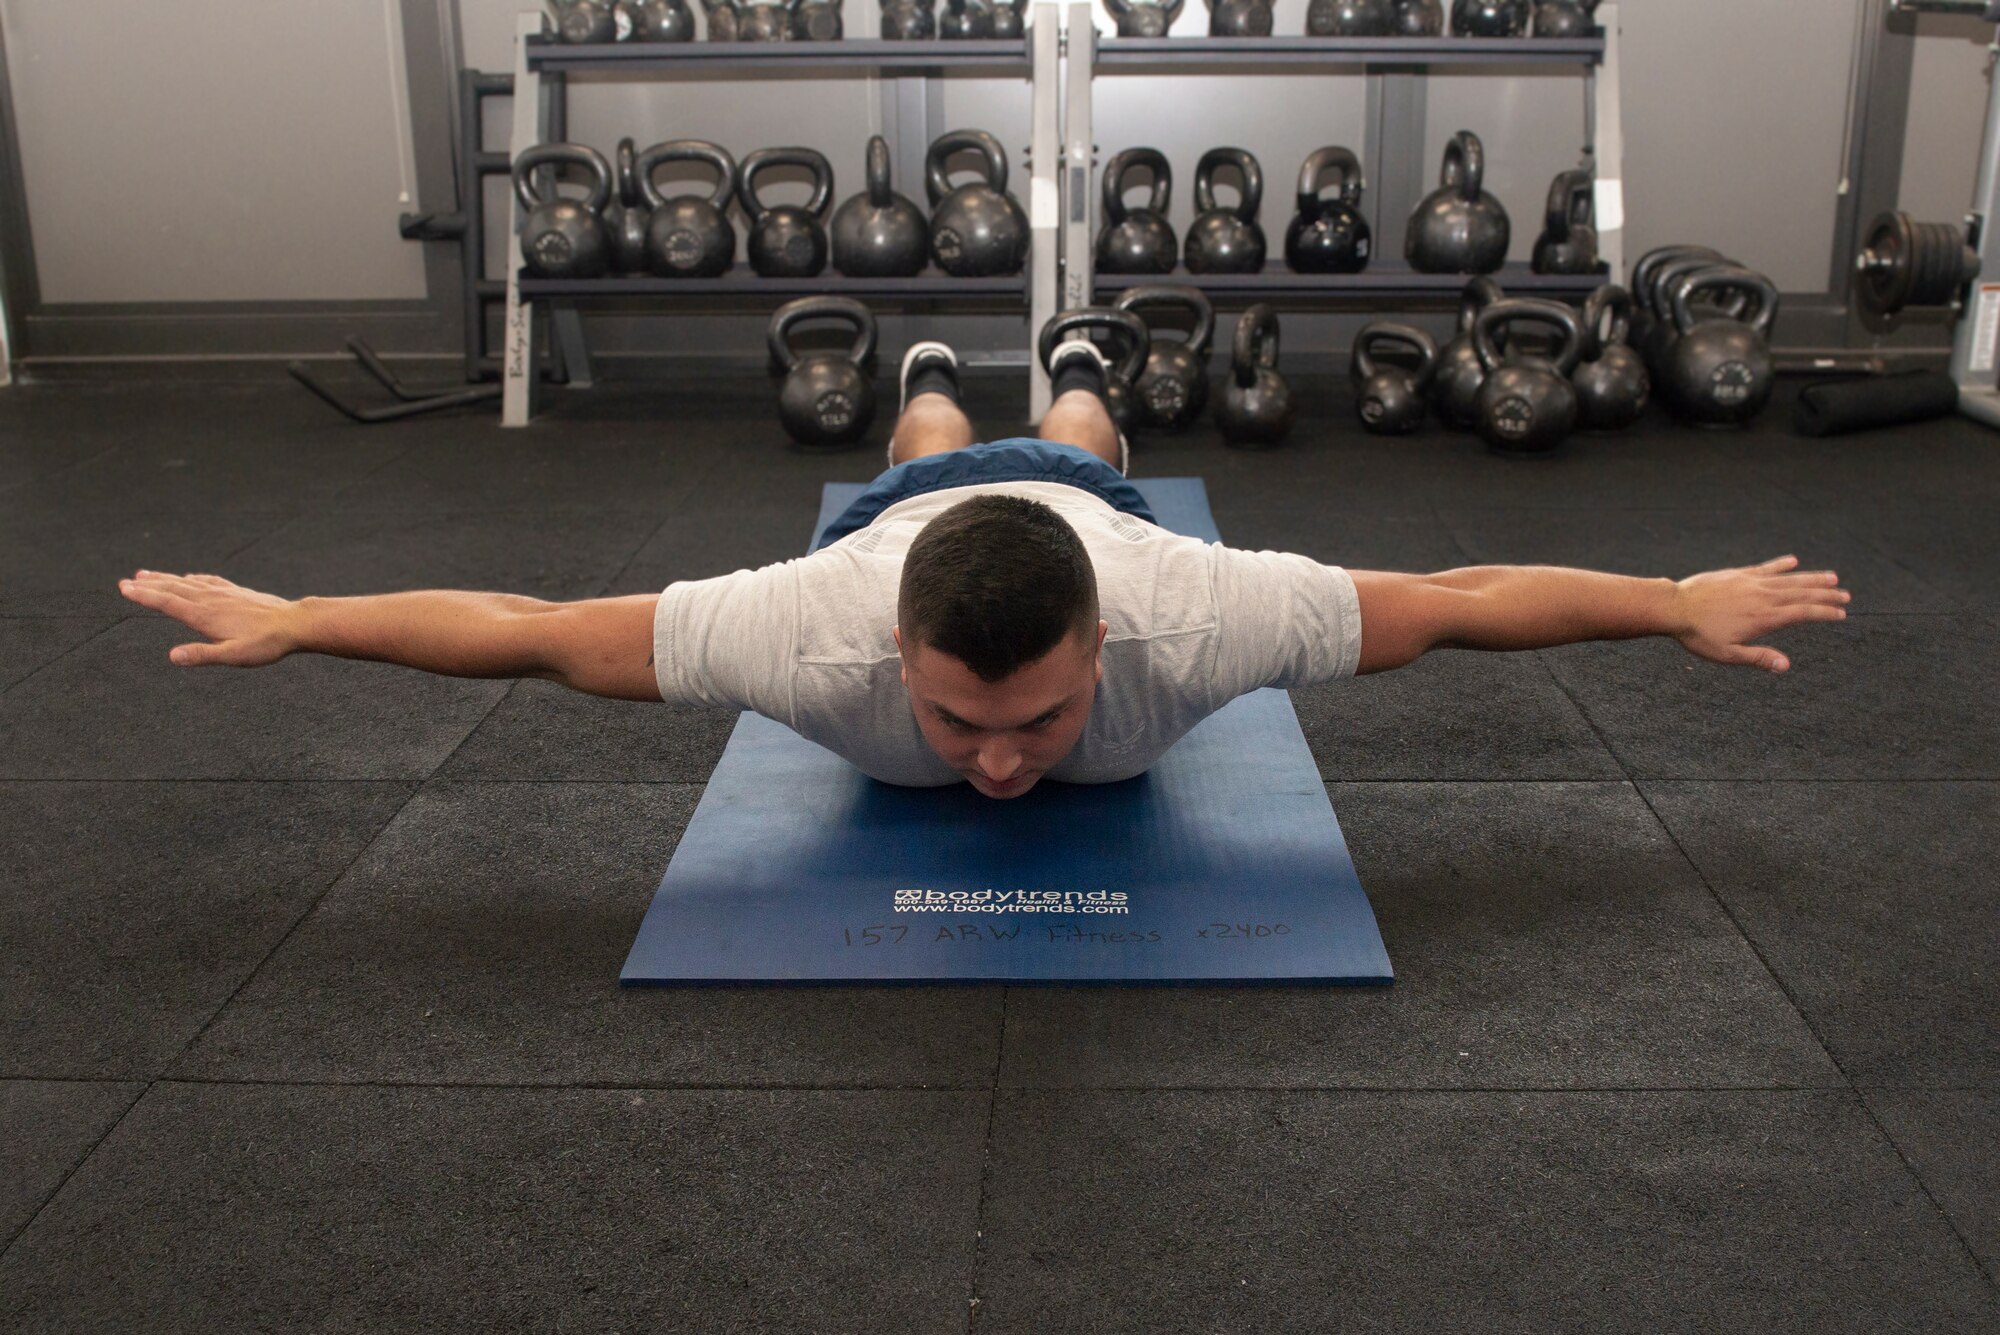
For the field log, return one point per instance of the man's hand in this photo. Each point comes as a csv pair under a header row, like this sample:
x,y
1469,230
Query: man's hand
x,y
1719,613
250,628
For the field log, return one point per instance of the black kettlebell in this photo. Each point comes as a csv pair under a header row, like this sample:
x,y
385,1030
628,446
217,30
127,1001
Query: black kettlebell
x,y
1226,240
788,240
764,23
1144,18
587,22
1133,342
1640,287
1328,235
909,21
1527,405
562,237
723,20
1256,409
1719,371
1455,385
689,237
1459,228
977,229
626,216
878,233
1173,388
1418,18
1239,18
1612,386
657,20
816,20
1658,347
1391,399
1137,240
1349,18
1010,21
827,398
1565,18
1489,18
965,20
1568,243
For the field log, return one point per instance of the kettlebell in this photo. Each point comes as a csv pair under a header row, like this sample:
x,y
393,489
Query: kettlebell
x,y
1328,235
657,20
764,23
1568,243
1719,371
562,237
1349,18
1256,409
1418,18
909,21
1658,348
816,20
965,20
977,229
723,19
689,237
1455,384
1390,399
1128,331
1612,386
1239,18
878,233
587,22
1565,18
788,241
1459,228
1173,388
1144,18
1642,297
1223,240
1137,240
626,216
1489,18
827,398
1009,20
1527,405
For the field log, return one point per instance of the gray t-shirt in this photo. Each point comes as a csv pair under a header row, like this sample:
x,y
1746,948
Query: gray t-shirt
x,y
1193,625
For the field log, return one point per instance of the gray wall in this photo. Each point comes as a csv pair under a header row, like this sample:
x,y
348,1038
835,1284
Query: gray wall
x,y
163,166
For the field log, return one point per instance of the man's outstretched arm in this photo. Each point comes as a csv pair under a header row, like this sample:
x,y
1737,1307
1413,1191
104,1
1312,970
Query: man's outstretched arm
x,y
601,646
1716,615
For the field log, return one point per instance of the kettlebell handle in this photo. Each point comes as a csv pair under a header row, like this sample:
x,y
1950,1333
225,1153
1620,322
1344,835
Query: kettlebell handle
x,y
1138,339
1570,204
1607,320
1528,309
1465,165
1649,264
687,150
1253,181
1317,164
1178,297
545,155
812,160
844,309
938,183
1397,335
1734,278
1256,346
628,173
881,191
1480,293
1123,165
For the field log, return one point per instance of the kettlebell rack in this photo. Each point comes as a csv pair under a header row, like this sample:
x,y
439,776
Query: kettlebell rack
x,y
1062,63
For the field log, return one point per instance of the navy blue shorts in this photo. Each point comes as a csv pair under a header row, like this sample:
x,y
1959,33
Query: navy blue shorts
x,y
1020,459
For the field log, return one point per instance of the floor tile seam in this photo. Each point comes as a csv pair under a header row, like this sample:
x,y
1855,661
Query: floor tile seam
x,y
637,549
73,464
986,1170
1965,1247
81,645
992,1088
74,1169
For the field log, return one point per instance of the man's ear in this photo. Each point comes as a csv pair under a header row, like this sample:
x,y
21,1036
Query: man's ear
x,y
1103,628
896,633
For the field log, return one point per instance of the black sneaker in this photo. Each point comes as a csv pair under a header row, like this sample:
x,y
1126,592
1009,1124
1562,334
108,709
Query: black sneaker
x,y
928,356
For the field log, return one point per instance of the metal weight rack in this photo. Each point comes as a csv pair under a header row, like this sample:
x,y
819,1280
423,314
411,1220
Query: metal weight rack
x,y
1062,55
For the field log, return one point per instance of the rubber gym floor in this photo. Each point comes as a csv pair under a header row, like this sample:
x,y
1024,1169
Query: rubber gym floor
x,y
311,1016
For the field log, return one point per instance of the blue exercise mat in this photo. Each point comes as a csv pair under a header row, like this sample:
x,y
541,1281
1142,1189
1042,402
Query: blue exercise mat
x,y
1222,864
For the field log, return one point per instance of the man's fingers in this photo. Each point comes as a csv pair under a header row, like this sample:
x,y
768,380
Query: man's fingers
x,y
1780,563
192,655
1757,656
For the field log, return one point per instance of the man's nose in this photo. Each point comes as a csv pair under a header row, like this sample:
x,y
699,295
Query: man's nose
x,y
999,763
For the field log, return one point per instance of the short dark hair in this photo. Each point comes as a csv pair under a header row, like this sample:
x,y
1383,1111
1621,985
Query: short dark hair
x,y
997,582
